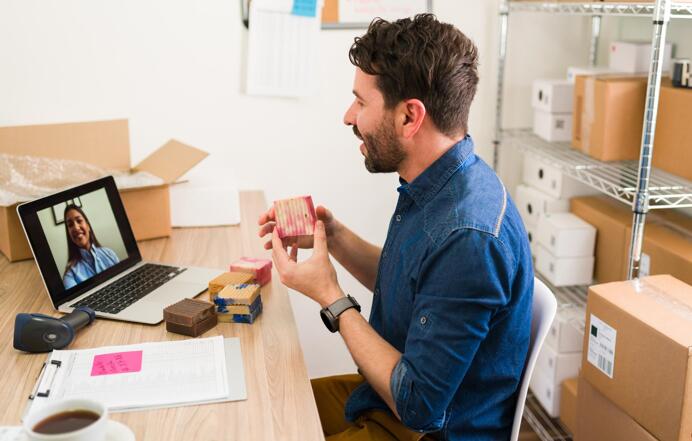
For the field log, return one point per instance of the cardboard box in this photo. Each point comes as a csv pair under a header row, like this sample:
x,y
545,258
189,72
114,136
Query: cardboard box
x,y
667,247
608,116
573,71
635,56
553,96
105,144
552,127
673,141
612,219
638,351
599,419
531,203
551,180
568,404
564,271
566,333
566,235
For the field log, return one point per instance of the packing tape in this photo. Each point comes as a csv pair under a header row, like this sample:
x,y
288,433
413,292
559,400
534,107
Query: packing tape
x,y
675,306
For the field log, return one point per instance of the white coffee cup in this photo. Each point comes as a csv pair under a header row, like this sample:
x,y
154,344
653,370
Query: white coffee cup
x,y
95,431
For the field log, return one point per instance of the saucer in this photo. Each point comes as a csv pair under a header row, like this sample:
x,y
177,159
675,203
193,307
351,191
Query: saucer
x,y
117,431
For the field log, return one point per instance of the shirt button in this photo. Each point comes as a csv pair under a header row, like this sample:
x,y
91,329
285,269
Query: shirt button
x,y
398,218
423,320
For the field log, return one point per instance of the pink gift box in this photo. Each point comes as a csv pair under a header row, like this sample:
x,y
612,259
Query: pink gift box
x,y
261,269
295,217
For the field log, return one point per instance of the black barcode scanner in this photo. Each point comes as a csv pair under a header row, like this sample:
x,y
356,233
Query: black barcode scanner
x,y
43,333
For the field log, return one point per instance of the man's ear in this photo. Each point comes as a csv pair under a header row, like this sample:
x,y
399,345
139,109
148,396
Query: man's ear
x,y
410,116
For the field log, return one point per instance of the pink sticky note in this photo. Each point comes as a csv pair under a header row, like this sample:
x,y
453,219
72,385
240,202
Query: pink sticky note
x,y
117,363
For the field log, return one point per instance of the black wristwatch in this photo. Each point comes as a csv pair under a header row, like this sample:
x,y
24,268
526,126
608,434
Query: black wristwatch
x,y
330,314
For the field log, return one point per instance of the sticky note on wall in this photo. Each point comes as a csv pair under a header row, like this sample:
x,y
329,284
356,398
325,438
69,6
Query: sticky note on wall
x,y
304,8
295,217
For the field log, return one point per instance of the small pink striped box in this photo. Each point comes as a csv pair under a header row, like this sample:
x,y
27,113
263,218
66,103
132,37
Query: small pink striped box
x,y
261,269
295,217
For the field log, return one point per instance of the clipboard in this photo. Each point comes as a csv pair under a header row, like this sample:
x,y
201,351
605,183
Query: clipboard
x,y
53,371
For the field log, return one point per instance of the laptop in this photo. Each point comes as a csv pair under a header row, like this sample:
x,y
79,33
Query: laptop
x,y
87,256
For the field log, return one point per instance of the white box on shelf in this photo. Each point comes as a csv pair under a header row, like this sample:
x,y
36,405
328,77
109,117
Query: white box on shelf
x,y
573,71
566,235
551,370
553,127
531,232
552,181
553,96
531,203
564,271
635,56
567,330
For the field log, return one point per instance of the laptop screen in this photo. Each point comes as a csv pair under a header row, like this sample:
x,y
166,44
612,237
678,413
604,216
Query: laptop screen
x,y
80,237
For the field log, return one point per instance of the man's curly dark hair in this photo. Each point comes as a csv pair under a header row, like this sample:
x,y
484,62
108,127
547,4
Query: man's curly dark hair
x,y
425,59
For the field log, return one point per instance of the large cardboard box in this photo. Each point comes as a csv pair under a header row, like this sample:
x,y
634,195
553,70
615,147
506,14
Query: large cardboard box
x,y
608,112
638,351
598,419
667,247
673,141
568,404
105,144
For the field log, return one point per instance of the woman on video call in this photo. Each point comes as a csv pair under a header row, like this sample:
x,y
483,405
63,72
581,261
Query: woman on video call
x,y
85,255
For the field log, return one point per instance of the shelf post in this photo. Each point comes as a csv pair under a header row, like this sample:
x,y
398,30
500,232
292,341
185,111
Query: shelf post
x,y
640,204
502,58
595,38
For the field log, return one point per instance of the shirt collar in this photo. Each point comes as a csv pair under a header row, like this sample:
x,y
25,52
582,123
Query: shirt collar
x,y
428,184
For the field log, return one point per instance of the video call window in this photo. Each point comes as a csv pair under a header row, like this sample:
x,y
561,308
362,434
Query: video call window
x,y
83,236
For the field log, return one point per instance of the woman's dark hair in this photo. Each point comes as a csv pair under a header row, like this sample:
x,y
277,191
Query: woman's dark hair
x,y
73,254
425,59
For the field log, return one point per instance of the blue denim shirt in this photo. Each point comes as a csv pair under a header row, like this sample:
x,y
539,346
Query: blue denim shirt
x,y
453,295
93,262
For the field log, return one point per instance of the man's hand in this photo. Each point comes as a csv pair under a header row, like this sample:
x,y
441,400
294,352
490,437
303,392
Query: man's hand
x,y
267,222
315,277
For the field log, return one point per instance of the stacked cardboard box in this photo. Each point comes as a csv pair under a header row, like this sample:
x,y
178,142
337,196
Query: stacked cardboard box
x,y
672,152
568,404
636,374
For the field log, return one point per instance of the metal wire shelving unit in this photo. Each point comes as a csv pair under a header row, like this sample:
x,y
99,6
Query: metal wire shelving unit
x,y
635,183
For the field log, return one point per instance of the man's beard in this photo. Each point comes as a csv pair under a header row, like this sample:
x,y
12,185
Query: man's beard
x,y
384,152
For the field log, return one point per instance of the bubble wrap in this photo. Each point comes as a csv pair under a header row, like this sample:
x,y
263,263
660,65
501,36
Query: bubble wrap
x,y
23,178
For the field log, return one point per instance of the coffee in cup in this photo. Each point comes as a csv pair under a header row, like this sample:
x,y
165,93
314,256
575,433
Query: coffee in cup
x,y
68,420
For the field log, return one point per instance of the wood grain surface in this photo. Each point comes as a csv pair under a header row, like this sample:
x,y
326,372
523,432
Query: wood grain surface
x,y
280,404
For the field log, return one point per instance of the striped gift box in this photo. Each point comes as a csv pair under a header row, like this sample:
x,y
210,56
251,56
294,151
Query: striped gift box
x,y
295,217
261,269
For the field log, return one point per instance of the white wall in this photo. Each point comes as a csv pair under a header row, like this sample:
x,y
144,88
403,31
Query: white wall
x,y
175,69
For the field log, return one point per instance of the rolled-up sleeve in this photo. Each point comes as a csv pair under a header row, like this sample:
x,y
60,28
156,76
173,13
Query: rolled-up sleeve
x,y
463,283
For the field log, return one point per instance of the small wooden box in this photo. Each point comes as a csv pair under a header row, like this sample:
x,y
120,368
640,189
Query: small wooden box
x,y
229,278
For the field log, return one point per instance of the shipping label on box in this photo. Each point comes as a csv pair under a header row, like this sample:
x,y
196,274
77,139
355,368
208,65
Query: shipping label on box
x,y
601,349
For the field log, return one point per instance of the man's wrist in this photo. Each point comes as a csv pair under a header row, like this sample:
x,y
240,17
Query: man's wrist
x,y
331,296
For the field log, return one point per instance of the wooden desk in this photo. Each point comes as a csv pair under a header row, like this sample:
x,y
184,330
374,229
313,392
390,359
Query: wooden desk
x,y
280,404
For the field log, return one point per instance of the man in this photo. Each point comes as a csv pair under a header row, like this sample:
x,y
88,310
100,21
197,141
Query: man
x,y
443,352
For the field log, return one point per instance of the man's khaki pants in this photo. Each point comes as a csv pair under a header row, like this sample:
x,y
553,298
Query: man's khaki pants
x,y
331,394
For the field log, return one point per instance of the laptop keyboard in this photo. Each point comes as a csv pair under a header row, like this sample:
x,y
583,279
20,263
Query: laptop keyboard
x,y
127,290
